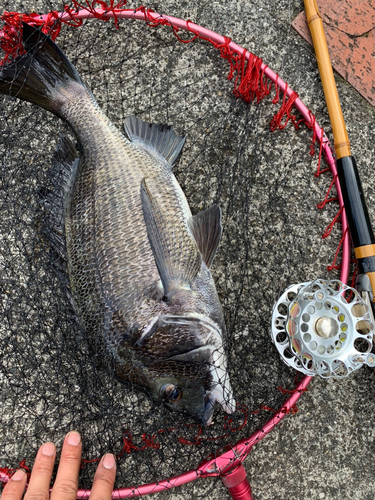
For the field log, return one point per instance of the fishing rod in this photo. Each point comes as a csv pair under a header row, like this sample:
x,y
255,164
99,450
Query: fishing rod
x,y
355,206
325,327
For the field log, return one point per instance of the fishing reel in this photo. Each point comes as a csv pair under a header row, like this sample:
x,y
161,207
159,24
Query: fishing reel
x,y
324,328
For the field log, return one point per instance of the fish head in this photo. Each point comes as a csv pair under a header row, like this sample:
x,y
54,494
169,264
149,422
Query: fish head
x,y
195,381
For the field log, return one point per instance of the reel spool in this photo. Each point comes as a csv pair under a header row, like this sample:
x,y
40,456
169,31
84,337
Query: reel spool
x,y
323,327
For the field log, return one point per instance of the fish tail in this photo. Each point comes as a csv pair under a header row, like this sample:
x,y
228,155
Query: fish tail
x,y
40,74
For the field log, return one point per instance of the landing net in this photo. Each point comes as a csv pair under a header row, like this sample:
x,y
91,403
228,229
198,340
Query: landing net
x,y
51,382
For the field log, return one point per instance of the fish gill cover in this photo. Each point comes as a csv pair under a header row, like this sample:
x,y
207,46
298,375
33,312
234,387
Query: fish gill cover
x,y
52,379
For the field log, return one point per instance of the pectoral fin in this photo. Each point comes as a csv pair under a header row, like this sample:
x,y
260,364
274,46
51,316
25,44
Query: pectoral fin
x,y
176,253
207,230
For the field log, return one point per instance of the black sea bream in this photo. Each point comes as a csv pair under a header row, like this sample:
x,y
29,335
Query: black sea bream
x,y
138,261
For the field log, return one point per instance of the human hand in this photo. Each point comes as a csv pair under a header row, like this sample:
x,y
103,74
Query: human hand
x,y
66,483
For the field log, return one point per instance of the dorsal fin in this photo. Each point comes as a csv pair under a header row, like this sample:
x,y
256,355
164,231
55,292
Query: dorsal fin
x,y
154,137
206,228
176,253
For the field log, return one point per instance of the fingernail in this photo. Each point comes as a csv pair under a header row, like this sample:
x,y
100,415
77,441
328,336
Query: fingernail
x,y
18,475
109,461
74,438
48,449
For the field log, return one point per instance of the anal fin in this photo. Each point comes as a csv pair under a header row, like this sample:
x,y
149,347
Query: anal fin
x,y
55,197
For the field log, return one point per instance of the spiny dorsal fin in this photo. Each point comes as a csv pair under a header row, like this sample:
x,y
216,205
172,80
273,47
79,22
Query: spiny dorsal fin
x,y
206,228
176,254
154,136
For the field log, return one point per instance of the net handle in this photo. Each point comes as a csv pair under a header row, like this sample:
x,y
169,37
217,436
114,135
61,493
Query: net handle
x,y
225,463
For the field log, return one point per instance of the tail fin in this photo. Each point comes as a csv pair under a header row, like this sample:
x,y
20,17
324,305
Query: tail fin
x,y
38,75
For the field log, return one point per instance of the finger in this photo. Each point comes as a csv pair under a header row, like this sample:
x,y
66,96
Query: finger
x,y
40,479
66,484
104,479
15,487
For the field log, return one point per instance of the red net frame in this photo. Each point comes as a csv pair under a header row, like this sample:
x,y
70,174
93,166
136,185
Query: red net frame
x,y
253,80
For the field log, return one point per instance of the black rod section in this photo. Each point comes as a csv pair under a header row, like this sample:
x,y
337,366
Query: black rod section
x,y
354,202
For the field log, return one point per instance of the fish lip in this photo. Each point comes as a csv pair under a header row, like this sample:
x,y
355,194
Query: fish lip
x,y
209,408
212,399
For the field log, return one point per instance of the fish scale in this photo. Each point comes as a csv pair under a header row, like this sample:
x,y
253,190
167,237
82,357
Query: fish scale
x,y
138,262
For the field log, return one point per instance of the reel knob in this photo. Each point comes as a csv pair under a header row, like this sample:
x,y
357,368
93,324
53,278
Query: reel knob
x,y
323,327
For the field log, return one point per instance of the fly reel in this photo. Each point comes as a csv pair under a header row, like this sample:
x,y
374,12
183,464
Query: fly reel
x,y
323,327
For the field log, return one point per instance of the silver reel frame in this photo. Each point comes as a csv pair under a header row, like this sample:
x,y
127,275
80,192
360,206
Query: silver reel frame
x,y
323,328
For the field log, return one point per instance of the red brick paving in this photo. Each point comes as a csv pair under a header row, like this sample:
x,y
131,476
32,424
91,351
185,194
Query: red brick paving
x,y
350,31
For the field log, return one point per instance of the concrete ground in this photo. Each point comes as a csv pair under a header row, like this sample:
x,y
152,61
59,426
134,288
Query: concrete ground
x,y
326,449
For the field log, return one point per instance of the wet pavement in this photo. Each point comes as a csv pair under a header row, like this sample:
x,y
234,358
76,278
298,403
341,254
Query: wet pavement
x,y
349,27
326,449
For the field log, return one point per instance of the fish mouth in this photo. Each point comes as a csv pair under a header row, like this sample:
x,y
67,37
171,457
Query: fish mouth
x,y
213,398
211,354
221,391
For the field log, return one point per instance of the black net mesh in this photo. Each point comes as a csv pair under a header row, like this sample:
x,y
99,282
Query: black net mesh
x,y
51,382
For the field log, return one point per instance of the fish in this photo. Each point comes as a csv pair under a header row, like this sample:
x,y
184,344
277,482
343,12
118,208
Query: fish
x,y
138,262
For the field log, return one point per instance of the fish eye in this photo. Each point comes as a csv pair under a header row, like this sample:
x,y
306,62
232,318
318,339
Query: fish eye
x,y
171,392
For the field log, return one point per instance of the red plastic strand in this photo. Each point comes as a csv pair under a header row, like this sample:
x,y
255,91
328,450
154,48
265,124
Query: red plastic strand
x,y
129,446
334,265
285,110
276,99
292,410
297,382
9,472
250,83
330,226
326,200
11,34
319,172
155,20
311,125
292,391
94,5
